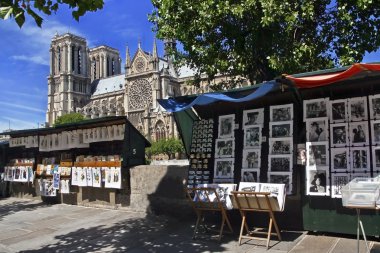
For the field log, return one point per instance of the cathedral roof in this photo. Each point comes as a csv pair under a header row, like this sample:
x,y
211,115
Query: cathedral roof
x,y
106,85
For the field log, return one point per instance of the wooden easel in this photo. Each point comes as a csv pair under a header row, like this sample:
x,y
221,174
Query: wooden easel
x,y
201,202
255,202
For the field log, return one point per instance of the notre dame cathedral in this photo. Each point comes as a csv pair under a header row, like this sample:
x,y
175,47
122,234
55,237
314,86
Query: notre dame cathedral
x,y
90,81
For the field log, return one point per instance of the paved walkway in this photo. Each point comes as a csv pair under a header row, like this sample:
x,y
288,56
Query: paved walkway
x,y
32,226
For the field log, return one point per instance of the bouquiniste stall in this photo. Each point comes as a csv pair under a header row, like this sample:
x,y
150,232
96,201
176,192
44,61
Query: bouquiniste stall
x,y
313,132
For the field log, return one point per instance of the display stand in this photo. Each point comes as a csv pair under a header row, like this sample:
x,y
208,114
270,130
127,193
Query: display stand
x,y
255,202
207,200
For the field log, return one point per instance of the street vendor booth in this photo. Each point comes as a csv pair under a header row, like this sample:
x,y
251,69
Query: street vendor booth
x,y
83,163
313,132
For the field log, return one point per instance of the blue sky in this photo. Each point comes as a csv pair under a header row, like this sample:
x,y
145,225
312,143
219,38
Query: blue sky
x,y
24,53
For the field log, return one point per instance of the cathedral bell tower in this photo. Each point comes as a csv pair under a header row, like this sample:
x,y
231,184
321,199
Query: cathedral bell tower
x,y
68,81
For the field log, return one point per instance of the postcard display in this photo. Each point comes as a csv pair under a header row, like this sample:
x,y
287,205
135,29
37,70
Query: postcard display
x,y
339,146
19,170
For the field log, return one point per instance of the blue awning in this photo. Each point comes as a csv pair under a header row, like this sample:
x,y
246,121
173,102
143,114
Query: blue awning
x,y
174,105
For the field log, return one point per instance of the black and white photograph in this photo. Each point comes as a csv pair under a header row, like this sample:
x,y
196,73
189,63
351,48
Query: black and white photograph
x,y
281,178
252,136
375,129
280,163
359,133
374,106
301,154
226,126
357,109
360,158
250,175
340,159
224,168
253,117
281,129
315,108
339,135
280,146
337,182
251,158
376,158
249,186
317,154
317,130
339,112
281,113
317,182
225,147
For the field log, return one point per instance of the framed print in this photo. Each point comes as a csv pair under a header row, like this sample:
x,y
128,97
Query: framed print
x,y
317,130
250,175
281,113
374,106
301,154
281,129
226,126
280,146
375,130
357,109
359,133
224,168
281,178
280,163
249,187
360,158
315,108
337,182
339,112
376,158
340,159
252,136
317,182
317,154
251,158
339,135
253,117
89,176
225,147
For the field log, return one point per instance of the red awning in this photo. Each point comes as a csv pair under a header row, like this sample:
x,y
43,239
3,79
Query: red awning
x,y
326,79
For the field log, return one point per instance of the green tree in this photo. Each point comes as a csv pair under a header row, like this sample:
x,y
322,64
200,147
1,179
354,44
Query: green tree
x,y
18,8
260,39
168,146
69,118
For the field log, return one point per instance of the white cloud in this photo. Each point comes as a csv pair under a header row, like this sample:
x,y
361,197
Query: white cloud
x,y
35,59
17,123
24,107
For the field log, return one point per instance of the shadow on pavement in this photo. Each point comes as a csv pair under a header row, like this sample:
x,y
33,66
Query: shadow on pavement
x,y
17,206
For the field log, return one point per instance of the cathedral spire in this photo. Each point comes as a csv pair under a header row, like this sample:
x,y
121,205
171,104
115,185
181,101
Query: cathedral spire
x,y
127,58
155,55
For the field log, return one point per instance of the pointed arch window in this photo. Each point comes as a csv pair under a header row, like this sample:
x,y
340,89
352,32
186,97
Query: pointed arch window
x,y
79,60
160,131
59,58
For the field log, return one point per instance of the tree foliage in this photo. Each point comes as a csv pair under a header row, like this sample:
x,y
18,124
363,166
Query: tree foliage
x,y
260,39
166,146
18,8
69,118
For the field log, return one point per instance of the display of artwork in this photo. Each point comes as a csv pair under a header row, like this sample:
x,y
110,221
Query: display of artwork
x,y
226,126
222,190
250,175
317,182
281,113
280,163
317,154
74,176
224,168
251,158
337,182
374,107
375,130
253,117
317,130
56,181
88,175
315,108
113,178
46,188
280,146
281,178
339,111
225,147
18,174
252,136
82,176
65,186
339,135
281,129
357,109
360,158
96,177
340,159
359,135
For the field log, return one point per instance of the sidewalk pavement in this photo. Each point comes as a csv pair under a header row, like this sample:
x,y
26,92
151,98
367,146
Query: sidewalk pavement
x,y
32,226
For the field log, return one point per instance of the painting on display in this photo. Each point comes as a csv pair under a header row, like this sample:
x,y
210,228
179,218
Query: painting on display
x,y
47,189
82,176
317,154
339,112
224,168
281,129
251,158
281,113
374,106
225,147
339,135
250,175
315,108
281,178
56,180
337,182
280,163
252,136
96,177
253,117
89,176
280,146
317,182
359,133
357,109
340,159
375,129
317,130
74,176
226,126
65,186
113,178
360,158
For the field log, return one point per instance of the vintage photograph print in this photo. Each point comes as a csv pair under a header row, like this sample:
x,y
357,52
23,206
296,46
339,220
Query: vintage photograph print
x,y
252,136
359,133
253,117
359,158
317,154
225,147
317,182
250,175
281,113
226,126
340,159
375,129
339,135
376,158
374,106
317,130
280,146
357,109
281,129
280,163
339,112
224,168
337,182
282,178
315,108
251,158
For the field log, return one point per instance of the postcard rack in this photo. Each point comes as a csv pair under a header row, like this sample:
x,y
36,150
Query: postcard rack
x,y
207,200
248,202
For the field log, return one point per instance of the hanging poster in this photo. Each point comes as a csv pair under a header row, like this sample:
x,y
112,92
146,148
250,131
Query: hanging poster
x,y
74,176
65,186
339,134
315,108
224,168
226,126
280,163
47,188
23,174
251,158
281,129
30,174
317,154
252,136
360,158
374,106
88,176
317,182
250,175
375,128
225,147
113,178
280,146
281,178
96,177
337,182
359,133
281,113
56,180
357,109
340,159
339,112
253,117
82,176
17,174
317,130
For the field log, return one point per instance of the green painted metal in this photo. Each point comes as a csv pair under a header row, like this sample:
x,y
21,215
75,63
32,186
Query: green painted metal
x,y
185,120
